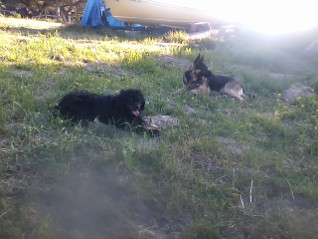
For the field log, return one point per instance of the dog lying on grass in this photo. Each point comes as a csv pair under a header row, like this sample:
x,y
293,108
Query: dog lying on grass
x,y
123,110
200,80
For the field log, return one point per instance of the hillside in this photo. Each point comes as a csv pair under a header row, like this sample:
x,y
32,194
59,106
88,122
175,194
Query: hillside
x,y
229,169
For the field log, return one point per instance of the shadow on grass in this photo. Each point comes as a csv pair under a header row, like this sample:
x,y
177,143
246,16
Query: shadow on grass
x,y
71,31
98,203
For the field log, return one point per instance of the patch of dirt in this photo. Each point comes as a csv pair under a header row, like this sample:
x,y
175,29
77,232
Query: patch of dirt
x,y
176,62
232,145
209,166
93,66
116,72
21,73
189,110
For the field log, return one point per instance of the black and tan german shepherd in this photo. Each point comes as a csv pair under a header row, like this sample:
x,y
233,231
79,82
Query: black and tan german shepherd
x,y
200,80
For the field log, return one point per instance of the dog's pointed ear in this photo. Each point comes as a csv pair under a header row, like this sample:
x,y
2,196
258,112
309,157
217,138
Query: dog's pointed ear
x,y
197,59
193,67
202,58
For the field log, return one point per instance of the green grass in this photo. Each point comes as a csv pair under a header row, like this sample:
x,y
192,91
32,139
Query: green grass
x,y
229,170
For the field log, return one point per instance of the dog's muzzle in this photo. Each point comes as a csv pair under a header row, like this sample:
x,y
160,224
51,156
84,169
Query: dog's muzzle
x,y
135,110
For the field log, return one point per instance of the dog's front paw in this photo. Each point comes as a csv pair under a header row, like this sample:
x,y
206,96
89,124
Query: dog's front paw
x,y
152,129
154,132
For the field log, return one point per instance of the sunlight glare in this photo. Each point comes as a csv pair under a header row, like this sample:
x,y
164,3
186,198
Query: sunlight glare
x,y
270,16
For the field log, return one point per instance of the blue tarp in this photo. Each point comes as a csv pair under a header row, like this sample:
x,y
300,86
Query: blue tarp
x,y
92,15
96,14
112,22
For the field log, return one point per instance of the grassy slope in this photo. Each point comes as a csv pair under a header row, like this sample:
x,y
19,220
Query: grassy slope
x,y
230,170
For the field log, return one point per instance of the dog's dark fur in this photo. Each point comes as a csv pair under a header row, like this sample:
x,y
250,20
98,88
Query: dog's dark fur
x,y
199,79
123,110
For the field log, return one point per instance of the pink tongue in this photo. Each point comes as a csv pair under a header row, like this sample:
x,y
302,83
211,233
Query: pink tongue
x,y
135,112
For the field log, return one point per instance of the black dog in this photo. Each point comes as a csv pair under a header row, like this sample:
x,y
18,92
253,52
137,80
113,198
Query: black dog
x,y
123,110
200,80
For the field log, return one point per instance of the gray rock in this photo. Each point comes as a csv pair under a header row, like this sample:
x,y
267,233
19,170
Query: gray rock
x,y
297,90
